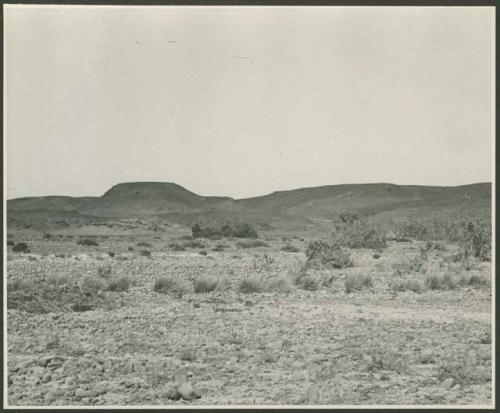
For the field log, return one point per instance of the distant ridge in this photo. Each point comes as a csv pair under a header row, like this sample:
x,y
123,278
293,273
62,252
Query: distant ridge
x,y
322,202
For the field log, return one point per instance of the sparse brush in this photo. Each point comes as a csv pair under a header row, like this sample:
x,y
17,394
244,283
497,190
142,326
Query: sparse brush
x,y
20,247
88,242
177,247
356,282
119,284
307,281
173,285
144,244
194,244
251,284
145,253
219,247
104,271
409,284
92,285
328,255
290,248
280,284
359,234
206,284
252,244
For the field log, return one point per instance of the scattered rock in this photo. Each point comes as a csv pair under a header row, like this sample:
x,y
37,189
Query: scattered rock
x,y
448,383
187,391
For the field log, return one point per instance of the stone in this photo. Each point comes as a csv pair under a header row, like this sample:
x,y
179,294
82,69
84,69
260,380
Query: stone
x,y
187,391
448,383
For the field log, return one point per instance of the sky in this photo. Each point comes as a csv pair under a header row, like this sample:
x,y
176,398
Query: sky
x,y
244,101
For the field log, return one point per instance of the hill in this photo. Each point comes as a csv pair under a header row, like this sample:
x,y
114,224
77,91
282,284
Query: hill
x,y
316,205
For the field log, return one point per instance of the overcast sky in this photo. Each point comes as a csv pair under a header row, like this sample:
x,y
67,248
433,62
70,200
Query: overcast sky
x,y
248,100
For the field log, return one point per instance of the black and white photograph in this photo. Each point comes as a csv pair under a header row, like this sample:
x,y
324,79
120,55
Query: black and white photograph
x,y
248,206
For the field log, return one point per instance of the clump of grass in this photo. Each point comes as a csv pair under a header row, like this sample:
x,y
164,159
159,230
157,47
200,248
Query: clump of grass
x,y
464,372
251,284
188,355
104,271
356,282
177,247
305,280
111,254
280,284
144,244
290,248
92,285
409,284
194,244
88,242
20,247
383,360
204,253
172,285
145,253
328,255
252,244
119,284
219,247
206,284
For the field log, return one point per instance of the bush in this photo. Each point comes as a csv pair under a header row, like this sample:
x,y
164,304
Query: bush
x,y
328,255
348,217
409,284
10,242
111,254
20,247
359,234
104,271
145,253
92,285
204,253
172,285
205,284
252,244
88,242
239,230
177,247
477,240
355,282
251,284
144,244
194,244
290,248
119,284
279,284
306,281
219,247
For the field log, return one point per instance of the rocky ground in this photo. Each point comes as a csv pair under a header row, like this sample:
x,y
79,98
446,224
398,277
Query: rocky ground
x,y
370,347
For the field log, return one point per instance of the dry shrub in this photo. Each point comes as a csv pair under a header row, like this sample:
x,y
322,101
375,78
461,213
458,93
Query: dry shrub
x,y
251,284
281,284
172,285
206,284
290,248
356,282
409,284
252,244
119,284
328,255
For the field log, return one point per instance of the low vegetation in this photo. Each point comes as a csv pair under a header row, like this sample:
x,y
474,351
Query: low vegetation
x,y
356,282
238,230
327,255
252,244
168,284
88,242
20,247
